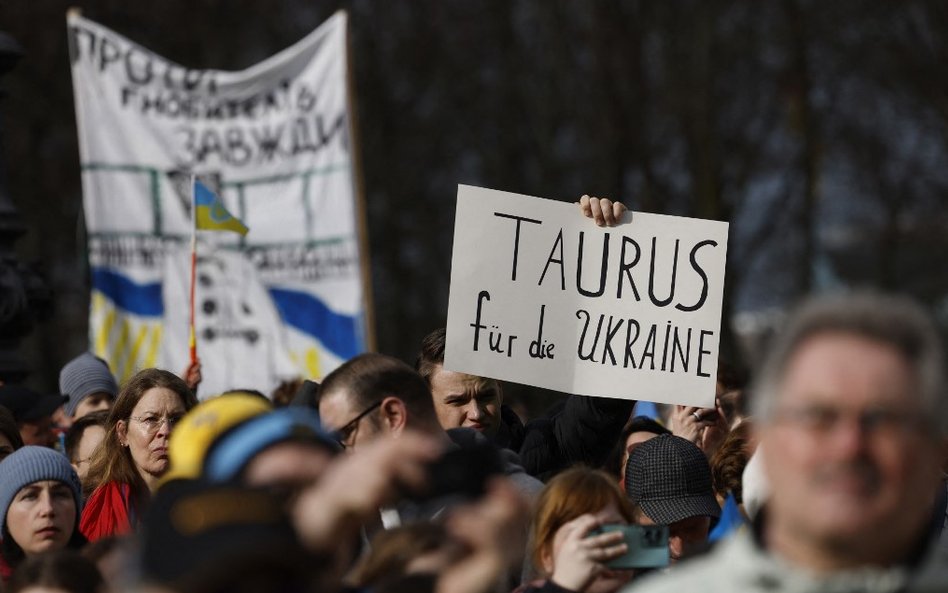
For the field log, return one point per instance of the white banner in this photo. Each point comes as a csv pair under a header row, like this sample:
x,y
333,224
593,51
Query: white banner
x,y
273,141
540,295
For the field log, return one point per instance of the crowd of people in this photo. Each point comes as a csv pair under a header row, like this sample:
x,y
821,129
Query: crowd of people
x,y
824,473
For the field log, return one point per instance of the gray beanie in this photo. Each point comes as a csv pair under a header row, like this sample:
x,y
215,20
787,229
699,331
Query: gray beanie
x,y
82,376
34,464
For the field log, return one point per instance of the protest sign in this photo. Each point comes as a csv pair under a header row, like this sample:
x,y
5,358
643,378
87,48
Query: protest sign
x,y
274,143
540,295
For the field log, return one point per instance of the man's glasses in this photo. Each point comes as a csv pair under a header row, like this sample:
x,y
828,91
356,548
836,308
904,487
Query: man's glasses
x,y
344,434
883,422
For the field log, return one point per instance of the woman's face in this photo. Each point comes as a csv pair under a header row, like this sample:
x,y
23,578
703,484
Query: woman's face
x,y
147,430
610,580
42,517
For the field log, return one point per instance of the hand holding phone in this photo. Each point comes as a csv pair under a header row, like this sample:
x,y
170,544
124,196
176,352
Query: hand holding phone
x,y
581,556
647,545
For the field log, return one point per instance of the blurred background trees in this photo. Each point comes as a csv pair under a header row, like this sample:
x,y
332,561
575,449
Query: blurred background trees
x,y
818,130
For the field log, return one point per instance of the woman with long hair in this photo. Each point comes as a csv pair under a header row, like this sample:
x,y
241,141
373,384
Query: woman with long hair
x,y
126,467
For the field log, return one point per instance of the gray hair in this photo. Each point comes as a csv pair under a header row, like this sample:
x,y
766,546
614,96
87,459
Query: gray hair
x,y
895,321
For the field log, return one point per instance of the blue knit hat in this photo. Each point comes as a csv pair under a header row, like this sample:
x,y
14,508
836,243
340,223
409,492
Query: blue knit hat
x,y
34,464
234,450
84,375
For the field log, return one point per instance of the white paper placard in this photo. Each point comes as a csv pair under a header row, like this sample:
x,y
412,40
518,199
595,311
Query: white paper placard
x,y
540,295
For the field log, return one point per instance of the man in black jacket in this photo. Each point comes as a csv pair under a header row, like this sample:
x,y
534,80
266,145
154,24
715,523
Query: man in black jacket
x,y
580,430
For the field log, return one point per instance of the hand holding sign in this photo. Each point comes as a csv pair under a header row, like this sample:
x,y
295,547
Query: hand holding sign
x,y
704,427
551,300
603,210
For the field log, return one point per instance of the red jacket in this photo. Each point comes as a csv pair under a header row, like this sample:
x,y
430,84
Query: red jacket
x,y
110,510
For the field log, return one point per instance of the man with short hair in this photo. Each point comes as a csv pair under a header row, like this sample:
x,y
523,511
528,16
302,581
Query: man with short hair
x,y
852,423
466,401
581,430
668,480
374,396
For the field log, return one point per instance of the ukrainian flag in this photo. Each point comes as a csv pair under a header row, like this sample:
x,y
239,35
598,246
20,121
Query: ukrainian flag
x,y
210,214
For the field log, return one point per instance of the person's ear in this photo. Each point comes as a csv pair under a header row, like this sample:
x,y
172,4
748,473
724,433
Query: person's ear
x,y
394,414
121,432
546,560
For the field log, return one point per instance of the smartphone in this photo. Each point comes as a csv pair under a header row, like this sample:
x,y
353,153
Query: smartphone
x,y
648,545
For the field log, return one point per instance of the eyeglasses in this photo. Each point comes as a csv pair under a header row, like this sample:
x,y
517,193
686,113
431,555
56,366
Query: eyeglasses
x,y
151,422
821,420
344,434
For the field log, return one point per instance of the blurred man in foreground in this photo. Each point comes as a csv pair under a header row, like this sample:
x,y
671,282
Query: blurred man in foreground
x,y
853,423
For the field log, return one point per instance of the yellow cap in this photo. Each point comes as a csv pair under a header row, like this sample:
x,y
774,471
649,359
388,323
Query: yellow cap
x,y
194,434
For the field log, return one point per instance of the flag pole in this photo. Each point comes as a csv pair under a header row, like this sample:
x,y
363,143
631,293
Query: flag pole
x,y
368,301
192,338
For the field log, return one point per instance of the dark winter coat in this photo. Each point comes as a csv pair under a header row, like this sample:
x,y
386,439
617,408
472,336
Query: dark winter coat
x,y
579,430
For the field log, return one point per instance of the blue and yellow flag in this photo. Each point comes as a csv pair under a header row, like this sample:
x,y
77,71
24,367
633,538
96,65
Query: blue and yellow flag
x,y
210,214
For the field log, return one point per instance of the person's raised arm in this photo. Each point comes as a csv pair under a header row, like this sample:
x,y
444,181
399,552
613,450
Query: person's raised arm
x,y
705,427
356,486
494,532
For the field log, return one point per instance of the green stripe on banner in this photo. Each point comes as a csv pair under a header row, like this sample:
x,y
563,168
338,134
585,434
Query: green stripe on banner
x,y
307,207
239,185
315,172
242,208
182,238
133,168
118,167
156,202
